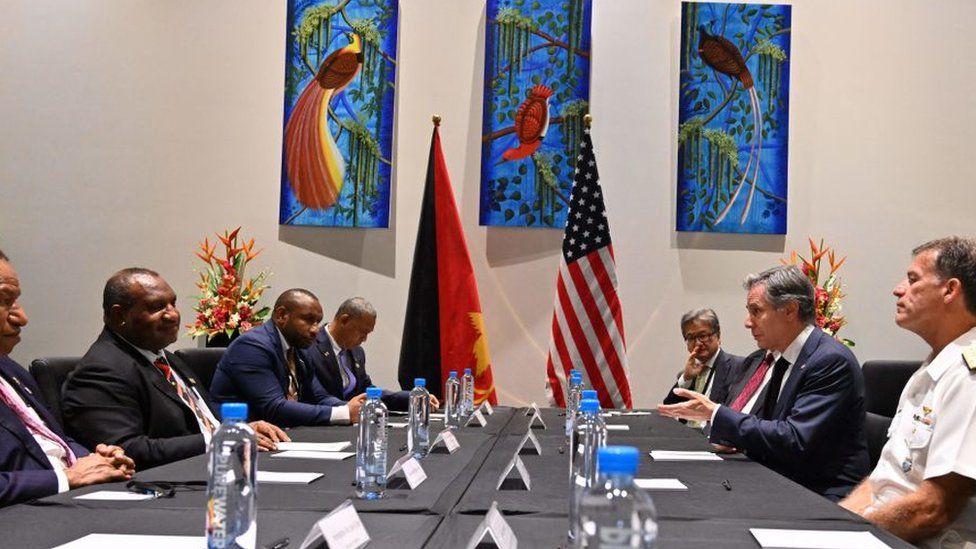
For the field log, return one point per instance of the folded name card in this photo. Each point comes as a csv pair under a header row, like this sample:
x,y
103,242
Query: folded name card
x,y
618,427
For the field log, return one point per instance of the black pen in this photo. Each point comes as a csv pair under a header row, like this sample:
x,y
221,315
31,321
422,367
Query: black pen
x,y
727,485
278,544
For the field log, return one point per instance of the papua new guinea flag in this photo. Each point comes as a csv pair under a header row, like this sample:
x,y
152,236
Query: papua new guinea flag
x,y
443,329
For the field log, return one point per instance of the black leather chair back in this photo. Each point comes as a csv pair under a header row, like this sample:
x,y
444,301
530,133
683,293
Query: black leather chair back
x,y
203,362
876,431
883,383
50,373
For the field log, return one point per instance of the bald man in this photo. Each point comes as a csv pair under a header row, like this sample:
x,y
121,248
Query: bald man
x,y
264,368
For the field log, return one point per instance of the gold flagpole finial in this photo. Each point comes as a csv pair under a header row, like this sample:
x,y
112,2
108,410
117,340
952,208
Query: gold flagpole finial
x,y
587,120
437,120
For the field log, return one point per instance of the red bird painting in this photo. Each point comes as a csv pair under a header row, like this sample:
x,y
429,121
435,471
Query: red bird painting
x,y
720,54
314,164
531,123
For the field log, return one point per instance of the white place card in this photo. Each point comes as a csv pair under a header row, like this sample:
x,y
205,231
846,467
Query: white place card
x,y
275,477
397,425
314,446
533,410
106,541
114,495
487,407
530,437
495,526
816,539
476,417
612,427
436,416
341,529
536,421
414,472
660,484
519,465
680,455
450,441
304,454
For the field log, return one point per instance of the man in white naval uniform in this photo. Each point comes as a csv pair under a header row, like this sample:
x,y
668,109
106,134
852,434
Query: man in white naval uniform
x,y
922,487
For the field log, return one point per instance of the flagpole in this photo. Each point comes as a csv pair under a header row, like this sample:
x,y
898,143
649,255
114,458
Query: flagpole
x,y
437,120
587,120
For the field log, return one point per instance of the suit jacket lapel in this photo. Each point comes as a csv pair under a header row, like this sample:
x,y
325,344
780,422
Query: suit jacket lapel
x,y
148,369
11,421
792,383
751,364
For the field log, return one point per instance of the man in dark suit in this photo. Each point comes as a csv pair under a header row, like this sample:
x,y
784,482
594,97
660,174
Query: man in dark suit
x,y
708,370
36,458
129,391
265,368
338,358
810,423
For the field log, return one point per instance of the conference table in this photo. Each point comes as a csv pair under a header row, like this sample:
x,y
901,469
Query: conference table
x,y
723,500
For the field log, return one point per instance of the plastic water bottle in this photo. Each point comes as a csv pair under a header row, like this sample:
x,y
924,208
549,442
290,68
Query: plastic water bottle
x,y
467,394
418,436
589,393
573,372
232,459
573,397
371,448
589,435
452,401
614,512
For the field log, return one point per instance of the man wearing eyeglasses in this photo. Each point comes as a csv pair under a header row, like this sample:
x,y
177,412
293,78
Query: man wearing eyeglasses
x,y
708,369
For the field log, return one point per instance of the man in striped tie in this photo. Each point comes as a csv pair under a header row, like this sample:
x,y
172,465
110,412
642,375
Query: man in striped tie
x,y
130,391
36,458
806,395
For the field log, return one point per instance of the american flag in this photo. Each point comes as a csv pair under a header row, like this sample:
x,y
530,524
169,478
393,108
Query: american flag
x,y
587,322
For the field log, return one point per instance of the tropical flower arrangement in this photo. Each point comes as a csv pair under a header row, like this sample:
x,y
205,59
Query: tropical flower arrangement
x,y
828,293
228,301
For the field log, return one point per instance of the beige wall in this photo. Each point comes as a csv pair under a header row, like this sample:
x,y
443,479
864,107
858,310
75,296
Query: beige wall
x,y
131,129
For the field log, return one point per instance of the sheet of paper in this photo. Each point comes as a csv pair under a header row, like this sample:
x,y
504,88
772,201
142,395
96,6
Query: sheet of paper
x,y
436,416
618,427
679,455
660,484
315,446
816,539
397,424
629,413
114,495
303,454
274,477
106,541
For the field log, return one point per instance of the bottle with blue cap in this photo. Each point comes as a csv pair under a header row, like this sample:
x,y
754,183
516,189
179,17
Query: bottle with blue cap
x,y
418,434
371,447
614,512
573,397
452,401
232,460
573,372
589,435
467,394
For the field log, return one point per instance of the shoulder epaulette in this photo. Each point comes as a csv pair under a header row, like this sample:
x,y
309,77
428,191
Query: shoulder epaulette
x,y
969,356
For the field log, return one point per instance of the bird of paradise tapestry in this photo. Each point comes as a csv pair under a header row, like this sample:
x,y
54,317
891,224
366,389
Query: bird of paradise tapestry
x,y
733,118
537,80
340,79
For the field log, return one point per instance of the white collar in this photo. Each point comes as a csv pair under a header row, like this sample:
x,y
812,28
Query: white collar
x,y
150,356
711,362
792,351
949,354
336,349
284,343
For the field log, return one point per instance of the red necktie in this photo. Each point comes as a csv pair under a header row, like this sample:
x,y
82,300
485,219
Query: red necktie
x,y
753,384
183,393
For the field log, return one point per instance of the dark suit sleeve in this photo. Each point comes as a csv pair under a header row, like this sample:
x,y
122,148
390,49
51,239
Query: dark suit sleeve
x,y
249,367
320,394
20,486
103,404
818,409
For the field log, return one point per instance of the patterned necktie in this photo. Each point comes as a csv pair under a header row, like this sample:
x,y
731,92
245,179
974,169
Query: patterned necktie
x,y
753,384
292,374
183,393
19,407
348,377
772,390
702,380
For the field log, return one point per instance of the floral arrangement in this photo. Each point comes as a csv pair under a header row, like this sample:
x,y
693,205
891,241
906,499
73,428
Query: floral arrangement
x,y
828,292
228,302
